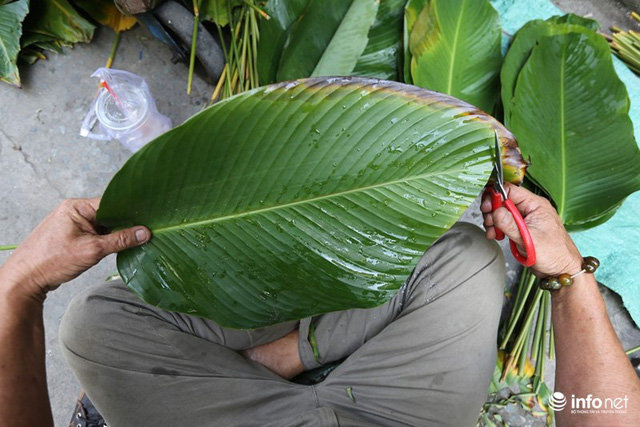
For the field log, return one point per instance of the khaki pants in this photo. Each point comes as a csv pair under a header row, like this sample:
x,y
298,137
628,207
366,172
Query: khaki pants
x,y
424,358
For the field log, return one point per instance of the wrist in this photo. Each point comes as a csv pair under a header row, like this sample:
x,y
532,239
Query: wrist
x,y
555,283
580,291
574,264
19,286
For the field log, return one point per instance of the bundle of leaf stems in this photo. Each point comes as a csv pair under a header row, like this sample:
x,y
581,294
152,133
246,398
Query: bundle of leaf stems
x,y
240,72
531,342
194,41
626,45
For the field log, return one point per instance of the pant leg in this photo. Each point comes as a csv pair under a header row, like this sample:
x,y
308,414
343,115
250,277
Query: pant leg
x,y
143,366
432,361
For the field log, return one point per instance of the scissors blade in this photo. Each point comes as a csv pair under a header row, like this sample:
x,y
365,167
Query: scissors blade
x,y
498,166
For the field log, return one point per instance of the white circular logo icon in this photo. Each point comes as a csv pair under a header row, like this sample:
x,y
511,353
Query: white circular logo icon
x,y
557,401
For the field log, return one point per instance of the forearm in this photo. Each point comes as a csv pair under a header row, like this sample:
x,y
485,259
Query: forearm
x,y
24,399
590,358
63,246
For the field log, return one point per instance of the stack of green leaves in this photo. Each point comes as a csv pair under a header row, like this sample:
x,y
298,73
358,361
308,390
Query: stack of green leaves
x,y
50,25
568,109
308,38
27,29
564,102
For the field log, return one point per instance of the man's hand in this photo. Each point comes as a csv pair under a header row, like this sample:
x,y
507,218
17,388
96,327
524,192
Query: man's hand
x,y
555,251
64,245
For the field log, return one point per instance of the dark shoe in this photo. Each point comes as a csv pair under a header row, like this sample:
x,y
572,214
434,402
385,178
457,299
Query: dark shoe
x,y
85,414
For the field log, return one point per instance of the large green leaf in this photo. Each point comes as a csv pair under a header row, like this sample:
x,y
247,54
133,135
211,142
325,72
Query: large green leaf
x,y
327,38
11,17
525,40
570,115
381,57
273,35
59,21
298,198
455,49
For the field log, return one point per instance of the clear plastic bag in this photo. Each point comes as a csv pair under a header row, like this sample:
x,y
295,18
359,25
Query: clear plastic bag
x,y
124,110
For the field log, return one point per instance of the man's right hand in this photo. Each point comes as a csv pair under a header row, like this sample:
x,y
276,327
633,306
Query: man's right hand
x,y
555,251
63,246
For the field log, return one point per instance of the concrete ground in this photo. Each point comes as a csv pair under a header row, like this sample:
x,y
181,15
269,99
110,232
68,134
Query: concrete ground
x,y
43,160
607,12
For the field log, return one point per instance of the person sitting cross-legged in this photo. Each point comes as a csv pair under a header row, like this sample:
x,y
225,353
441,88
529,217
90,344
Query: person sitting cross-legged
x,y
424,358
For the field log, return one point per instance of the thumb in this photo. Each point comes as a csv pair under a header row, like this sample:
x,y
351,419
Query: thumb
x,y
504,221
525,200
124,239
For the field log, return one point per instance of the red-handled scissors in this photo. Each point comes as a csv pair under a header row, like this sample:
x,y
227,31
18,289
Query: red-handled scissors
x,y
499,199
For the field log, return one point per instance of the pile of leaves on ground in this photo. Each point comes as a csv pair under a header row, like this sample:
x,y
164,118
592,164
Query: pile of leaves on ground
x,y
28,29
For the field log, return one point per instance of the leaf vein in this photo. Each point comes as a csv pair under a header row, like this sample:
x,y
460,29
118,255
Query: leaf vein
x,y
302,202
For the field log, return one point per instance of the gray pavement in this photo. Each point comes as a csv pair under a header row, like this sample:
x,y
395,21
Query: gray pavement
x,y
43,160
607,12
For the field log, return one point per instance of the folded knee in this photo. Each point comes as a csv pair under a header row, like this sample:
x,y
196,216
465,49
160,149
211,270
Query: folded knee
x,y
96,319
80,325
472,242
465,248
463,262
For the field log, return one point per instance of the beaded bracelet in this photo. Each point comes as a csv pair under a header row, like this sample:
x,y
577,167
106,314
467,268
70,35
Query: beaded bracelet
x,y
589,265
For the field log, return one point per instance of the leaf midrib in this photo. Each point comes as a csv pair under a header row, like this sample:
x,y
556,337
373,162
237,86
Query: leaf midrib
x,y
301,202
454,49
563,161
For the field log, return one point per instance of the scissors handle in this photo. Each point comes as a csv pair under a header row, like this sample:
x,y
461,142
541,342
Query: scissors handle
x,y
530,259
496,202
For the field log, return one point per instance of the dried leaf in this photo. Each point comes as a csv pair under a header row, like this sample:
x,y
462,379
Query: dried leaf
x,y
106,13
